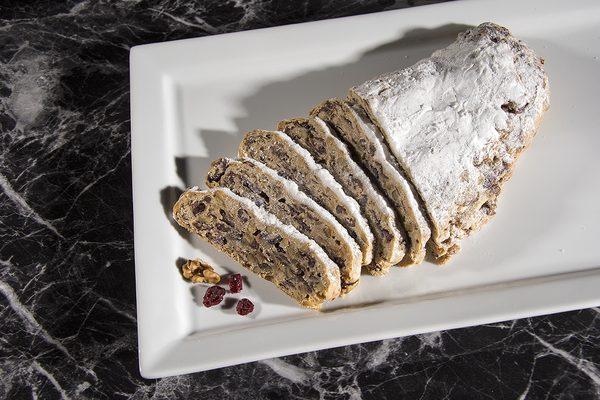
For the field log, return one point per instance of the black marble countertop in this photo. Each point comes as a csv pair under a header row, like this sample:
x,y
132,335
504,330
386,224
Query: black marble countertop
x,y
67,295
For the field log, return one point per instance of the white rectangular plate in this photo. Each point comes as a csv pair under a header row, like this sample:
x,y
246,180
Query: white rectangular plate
x,y
192,100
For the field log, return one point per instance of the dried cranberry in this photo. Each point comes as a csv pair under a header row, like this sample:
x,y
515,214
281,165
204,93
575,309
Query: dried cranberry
x,y
213,296
244,307
235,283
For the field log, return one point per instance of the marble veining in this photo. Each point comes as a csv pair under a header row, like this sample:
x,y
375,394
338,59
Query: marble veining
x,y
67,296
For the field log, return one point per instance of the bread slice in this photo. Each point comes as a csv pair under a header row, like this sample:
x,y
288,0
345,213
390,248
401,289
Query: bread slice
x,y
261,243
369,148
457,121
282,198
277,151
314,135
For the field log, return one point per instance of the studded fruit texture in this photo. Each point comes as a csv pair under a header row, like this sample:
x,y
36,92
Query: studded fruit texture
x,y
244,307
213,296
235,283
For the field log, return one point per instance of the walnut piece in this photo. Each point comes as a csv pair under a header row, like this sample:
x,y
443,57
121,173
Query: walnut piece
x,y
199,271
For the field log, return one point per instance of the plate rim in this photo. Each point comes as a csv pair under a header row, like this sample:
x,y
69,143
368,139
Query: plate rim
x,y
147,68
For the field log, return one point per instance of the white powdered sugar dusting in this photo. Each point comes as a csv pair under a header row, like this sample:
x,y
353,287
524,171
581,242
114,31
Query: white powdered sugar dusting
x,y
294,192
386,160
380,202
269,219
329,181
357,171
476,101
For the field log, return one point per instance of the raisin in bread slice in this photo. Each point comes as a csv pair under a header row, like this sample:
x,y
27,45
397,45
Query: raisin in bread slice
x,y
282,198
261,243
457,121
372,152
314,135
277,151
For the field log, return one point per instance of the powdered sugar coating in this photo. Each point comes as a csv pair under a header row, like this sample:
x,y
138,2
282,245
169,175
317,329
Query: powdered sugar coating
x,y
327,180
456,122
402,195
356,170
294,192
269,219
386,214
330,182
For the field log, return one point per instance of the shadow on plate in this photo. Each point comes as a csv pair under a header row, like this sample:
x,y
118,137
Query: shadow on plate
x,y
296,96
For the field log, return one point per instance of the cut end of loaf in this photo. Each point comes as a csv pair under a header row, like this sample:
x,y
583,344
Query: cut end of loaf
x,y
261,243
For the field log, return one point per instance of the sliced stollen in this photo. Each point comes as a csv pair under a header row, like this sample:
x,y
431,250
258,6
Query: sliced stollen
x,y
370,150
261,243
314,135
457,121
277,151
282,198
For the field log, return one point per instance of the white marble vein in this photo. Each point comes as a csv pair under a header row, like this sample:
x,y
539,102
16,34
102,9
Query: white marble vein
x,y
587,367
286,370
24,207
67,284
52,379
28,319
